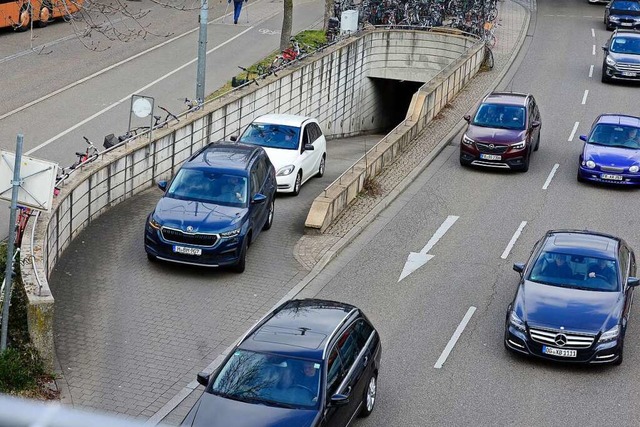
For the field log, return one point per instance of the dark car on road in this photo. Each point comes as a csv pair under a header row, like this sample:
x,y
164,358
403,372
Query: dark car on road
x,y
622,14
309,362
621,57
611,152
503,132
573,300
214,207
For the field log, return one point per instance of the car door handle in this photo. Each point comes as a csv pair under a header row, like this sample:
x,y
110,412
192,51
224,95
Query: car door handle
x,y
365,361
347,391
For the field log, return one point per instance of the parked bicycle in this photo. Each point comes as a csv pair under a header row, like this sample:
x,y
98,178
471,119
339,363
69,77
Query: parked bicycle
x,y
158,122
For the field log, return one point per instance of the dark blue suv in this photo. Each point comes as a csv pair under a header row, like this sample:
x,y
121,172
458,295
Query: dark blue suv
x,y
215,206
308,363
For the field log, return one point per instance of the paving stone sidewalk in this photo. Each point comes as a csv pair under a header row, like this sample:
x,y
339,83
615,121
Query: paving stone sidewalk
x,y
511,25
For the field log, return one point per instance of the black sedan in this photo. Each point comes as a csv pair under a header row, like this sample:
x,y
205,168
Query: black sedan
x,y
573,300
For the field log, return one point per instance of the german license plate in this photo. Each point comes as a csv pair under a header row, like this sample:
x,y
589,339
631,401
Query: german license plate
x,y
626,24
490,157
560,352
629,74
611,177
187,251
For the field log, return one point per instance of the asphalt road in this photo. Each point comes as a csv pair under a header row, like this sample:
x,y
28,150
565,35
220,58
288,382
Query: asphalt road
x,y
480,383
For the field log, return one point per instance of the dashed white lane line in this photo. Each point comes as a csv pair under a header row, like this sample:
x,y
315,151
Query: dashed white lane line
x,y
591,71
593,51
584,97
454,338
550,177
593,32
513,240
573,131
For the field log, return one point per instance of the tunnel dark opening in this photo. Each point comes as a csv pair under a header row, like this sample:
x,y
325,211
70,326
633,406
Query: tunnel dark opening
x,y
393,100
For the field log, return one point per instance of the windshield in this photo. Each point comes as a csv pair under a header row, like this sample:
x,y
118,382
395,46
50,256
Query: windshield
x,y
622,6
615,136
209,187
628,45
272,136
575,271
269,379
500,116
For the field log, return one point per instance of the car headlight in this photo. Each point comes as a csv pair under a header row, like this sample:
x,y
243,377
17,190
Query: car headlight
x,y
154,224
610,335
590,164
466,140
230,234
610,62
287,170
516,322
634,169
614,18
519,145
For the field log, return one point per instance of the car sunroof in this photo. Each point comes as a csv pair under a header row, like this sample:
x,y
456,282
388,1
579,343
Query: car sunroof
x,y
300,337
581,240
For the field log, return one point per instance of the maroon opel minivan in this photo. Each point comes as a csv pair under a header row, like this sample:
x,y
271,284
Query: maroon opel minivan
x,y
502,133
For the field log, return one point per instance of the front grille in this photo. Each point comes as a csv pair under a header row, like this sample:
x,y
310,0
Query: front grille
x,y
623,66
486,148
197,239
611,169
573,339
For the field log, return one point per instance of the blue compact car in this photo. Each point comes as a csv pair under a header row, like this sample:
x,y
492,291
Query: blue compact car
x,y
611,153
574,297
215,206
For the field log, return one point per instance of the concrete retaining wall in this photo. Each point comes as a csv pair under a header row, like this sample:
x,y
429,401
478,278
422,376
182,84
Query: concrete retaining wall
x,y
331,86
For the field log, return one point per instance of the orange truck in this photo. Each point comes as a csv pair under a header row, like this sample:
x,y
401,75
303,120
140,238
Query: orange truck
x,y
18,14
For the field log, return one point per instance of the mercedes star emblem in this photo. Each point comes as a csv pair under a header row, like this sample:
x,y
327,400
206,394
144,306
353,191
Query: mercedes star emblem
x,y
190,228
561,340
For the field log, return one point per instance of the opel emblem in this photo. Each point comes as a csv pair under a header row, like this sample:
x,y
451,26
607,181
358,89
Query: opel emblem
x,y
491,146
189,228
561,340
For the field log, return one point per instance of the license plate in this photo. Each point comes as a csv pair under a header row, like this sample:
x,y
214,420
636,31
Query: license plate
x,y
187,251
629,74
561,352
490,157
626,24
611,177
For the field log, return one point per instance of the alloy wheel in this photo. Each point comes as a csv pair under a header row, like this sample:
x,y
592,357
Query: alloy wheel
x,y
371,394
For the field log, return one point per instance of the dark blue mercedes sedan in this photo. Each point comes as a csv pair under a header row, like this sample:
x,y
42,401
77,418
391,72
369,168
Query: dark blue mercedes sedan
x,y
573,300
215,206
611,152
308,363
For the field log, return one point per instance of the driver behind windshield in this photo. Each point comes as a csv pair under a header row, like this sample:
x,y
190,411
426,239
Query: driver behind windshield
x,y
602,269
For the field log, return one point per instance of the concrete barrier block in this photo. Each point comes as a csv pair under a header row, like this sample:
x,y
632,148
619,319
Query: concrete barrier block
x,y
320,210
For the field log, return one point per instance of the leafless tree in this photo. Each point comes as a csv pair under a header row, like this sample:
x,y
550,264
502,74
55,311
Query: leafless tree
x,y
287,21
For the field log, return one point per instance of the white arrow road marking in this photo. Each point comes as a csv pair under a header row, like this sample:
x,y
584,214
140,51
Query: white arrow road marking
x,y
415,260
454,338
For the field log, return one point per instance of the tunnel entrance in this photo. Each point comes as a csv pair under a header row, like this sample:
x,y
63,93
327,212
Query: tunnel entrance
x,y
393,98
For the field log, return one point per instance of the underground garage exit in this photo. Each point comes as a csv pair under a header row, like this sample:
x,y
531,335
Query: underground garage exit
x,y
393,97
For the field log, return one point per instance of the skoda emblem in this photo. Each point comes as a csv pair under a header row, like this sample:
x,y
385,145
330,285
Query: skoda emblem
x,y
561,340
491,146
189,228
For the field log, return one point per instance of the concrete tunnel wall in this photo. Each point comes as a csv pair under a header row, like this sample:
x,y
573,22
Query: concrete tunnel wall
x,y
331,86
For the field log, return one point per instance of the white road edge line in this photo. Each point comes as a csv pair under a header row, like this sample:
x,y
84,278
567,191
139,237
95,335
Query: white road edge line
x,y
593,51
593,32
584,97
109,68
591,71
128,97
454,338
512,242
550,177
573,132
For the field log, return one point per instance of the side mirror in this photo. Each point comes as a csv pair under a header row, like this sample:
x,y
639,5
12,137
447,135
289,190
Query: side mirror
x,y
259,198
309,147
234,138
518,267
467,118
583,138
605,48
633,281
203,378
162,185
535,124
339,400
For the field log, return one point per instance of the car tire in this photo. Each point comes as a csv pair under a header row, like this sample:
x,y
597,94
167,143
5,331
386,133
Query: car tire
x,y
463,163
297,184
620,358
269,222
525,167
579,178
239,266
151,258
605,78
323,165
45,12
369,398
537,143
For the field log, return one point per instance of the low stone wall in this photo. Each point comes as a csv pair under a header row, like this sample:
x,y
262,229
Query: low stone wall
x,y
331,86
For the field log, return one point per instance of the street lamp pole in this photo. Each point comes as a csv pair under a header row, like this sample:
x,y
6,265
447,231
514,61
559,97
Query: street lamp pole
x,y
202,51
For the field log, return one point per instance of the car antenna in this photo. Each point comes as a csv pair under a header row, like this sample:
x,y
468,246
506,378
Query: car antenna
x,y
304,330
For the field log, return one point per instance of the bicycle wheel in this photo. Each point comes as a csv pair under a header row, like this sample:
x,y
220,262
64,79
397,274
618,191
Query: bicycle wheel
x,y
277,62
